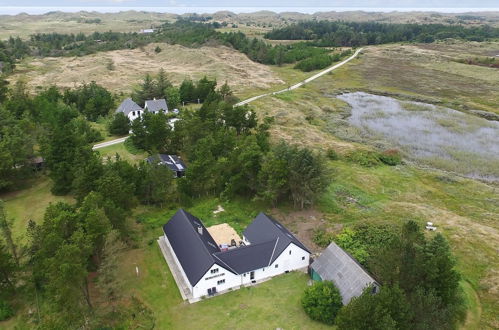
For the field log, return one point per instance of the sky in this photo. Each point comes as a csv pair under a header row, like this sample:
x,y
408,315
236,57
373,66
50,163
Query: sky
x,y
260,3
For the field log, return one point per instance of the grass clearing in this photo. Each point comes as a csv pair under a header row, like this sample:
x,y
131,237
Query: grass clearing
x,y
122,150
130,66
29,204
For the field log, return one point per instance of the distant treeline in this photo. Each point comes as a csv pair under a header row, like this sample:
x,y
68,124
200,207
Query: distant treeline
x,y
351,34
183,32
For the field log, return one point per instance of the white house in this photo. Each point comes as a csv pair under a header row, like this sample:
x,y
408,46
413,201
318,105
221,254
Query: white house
x,y
131,109
204,269
156,106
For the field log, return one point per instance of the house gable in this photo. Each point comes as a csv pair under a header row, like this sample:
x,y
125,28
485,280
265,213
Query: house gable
x,y
264,228
192,244
128,106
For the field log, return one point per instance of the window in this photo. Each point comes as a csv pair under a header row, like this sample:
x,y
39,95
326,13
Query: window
x,y
302,258
133,113
276,266
220,282
289,252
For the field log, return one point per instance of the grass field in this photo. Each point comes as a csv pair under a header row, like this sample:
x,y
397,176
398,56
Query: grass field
x,y
130,21
130,66
29,204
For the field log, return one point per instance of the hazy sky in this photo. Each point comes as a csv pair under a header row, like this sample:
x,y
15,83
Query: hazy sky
x,y
258,3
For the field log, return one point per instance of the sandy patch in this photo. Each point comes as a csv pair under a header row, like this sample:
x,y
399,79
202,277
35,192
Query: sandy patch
x,y
223,234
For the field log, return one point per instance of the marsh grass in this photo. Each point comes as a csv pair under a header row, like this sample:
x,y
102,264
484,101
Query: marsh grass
x,y
437,136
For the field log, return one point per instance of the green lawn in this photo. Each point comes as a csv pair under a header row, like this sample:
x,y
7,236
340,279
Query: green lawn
x,y
124,153
30,203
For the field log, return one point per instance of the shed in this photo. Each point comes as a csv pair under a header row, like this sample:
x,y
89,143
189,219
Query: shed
x,y
336,265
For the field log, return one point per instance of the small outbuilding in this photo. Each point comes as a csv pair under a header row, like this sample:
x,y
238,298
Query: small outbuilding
x,y
337,266
173,162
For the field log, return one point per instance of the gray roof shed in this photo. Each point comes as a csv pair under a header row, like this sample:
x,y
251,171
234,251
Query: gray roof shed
x,y
336,265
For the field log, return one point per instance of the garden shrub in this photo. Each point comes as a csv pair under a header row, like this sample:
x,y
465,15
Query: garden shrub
x,y
322,301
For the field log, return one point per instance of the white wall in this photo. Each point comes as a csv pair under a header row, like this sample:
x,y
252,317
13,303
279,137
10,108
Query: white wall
x,y
285,262
210,280
133,117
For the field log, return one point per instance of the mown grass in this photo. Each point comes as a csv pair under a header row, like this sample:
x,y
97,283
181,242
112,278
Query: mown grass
x,y
121,149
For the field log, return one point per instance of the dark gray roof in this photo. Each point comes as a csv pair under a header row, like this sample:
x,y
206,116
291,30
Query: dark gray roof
x,y
264,229
128,106
172,161
335,265
156,105
247,258
193,250
198,252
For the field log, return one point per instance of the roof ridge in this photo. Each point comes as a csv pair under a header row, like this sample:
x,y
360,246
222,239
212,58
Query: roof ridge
x,y
273,251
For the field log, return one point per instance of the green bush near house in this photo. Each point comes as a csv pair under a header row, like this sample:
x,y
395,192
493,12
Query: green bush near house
x,y
322,301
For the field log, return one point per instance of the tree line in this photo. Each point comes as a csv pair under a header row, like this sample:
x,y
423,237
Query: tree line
x,y
353,34
183,32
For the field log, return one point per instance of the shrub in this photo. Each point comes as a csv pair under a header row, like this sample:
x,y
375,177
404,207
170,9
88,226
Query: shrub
x,y
332,154
322,237
322,301
391,157
365,158
157,50
314,63
120,125
5,310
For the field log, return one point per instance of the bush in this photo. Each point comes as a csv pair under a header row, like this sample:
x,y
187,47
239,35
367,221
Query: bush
x,y
391,157
5,310
120,125
365,158
314,63
322,301
322,238
332,154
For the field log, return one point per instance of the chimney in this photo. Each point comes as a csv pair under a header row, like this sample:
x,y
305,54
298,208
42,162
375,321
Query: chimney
x,y
200,230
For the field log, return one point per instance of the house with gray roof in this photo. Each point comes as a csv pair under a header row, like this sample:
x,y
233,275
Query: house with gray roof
x,y
130,109
156,106
336,265
201,267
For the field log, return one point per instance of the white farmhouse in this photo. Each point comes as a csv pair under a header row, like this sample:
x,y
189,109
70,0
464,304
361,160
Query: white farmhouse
x,y
202,268
131,109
